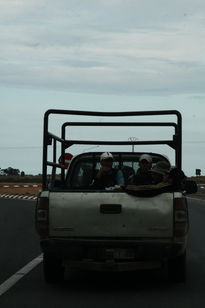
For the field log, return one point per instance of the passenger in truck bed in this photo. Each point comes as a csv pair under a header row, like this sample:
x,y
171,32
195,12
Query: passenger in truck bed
x,y
177,178
160,172
143,175
107,176
165,179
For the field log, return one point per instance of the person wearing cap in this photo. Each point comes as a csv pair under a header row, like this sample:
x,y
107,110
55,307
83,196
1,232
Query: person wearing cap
x,y
160,172
107,176
143,175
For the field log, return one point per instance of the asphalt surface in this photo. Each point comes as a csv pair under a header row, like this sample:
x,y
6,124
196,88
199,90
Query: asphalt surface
x,y
19,245
19,242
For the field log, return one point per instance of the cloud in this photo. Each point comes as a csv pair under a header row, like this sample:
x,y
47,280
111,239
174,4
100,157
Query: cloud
x,y
103,46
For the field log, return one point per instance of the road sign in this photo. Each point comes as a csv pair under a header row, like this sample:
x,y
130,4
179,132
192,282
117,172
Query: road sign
x,y
198,171
68,157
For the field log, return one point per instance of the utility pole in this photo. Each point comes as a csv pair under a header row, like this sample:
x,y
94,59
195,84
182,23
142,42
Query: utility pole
x,y
133,139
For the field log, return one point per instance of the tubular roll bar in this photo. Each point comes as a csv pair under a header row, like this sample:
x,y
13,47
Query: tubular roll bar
x,y
175,143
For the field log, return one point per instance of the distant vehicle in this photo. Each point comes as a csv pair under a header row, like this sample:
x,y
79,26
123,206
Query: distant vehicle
x,y
109,230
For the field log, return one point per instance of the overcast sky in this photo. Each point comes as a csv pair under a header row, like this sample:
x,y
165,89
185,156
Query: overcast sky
x,y
100,55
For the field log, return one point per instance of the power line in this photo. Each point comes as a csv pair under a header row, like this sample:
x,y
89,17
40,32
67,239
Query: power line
x,y
20,147
195,142
40,147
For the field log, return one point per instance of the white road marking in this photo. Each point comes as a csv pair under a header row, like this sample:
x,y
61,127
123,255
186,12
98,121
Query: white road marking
x,y
196,199
22,197
10,282
29,198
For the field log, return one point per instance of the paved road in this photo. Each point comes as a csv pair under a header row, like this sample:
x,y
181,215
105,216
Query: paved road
x,y
18,240
149,289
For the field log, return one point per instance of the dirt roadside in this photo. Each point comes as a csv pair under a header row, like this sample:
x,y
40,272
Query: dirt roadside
x,y
29,189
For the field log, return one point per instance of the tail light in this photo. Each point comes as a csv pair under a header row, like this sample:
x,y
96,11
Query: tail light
x,y
41,219
180,217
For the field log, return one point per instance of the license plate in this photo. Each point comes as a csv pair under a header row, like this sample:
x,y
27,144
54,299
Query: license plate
x,y
124,254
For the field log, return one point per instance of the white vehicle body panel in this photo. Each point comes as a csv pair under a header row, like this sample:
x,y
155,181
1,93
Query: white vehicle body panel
x,y
77,214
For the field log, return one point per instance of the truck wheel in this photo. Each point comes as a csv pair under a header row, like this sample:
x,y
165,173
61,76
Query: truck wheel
x,y
177,268
53,269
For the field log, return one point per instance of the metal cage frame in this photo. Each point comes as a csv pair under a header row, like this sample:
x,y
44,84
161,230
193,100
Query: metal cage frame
x,y
49,138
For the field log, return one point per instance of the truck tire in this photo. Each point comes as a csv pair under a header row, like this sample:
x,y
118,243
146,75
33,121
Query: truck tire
x,y
52,268
177,268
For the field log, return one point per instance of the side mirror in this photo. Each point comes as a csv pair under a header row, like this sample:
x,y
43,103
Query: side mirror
x,y
190,187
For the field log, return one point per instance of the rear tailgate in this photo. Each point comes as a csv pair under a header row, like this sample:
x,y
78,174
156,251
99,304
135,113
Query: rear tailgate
x,y
110,214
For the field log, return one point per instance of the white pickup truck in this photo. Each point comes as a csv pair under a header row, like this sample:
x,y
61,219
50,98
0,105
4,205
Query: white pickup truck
x,y
109,229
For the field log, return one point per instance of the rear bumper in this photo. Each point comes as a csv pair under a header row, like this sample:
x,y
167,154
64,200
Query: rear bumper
x,y
114,265
103,250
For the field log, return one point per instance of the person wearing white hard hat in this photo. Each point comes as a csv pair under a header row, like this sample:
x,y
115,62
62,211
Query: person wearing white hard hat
x,y
143,175
107,176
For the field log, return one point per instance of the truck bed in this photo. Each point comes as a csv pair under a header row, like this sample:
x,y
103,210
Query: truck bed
x,y
94,215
